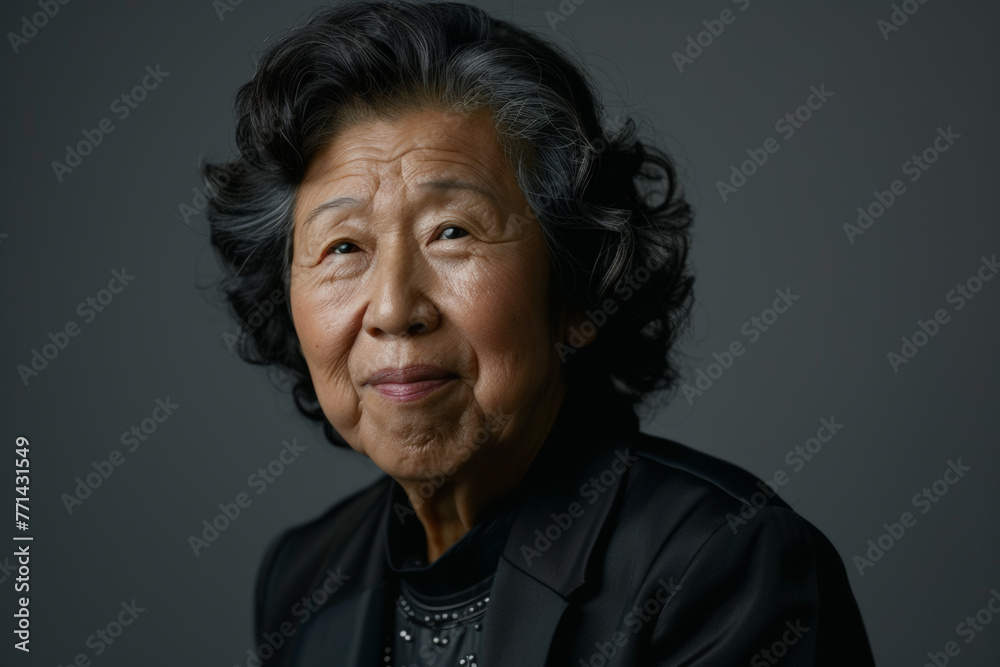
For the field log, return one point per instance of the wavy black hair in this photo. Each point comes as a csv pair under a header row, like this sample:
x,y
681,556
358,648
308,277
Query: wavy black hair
x,y
614,218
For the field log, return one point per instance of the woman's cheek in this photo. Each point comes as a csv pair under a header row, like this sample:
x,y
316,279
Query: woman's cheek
x,y
322,323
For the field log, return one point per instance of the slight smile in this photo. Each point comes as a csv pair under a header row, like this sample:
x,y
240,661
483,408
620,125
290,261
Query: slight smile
x,y
409,383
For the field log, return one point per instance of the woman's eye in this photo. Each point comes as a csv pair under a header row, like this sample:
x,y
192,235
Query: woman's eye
x,y
341,248
453,233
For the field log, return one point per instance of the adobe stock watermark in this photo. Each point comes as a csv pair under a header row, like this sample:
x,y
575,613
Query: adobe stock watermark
x,y
796,458
923,500
199,200
566,9
7,569
563,522
927,329
900,14
427,488
634,621
223,7
599,144
517,221
122,107
914,168
131,439
968,629
22,617
303,609
598,317
786,126
696,44
230,512
104,637
88,309
262,310
31,25
753,329
773,654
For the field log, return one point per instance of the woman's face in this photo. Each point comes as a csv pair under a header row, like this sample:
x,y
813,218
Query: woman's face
x,y
415,247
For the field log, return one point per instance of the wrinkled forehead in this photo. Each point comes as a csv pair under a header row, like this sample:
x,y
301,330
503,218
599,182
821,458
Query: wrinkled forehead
x,y
409,151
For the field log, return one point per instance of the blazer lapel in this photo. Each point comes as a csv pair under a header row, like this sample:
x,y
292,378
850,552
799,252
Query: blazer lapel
x,y
547,554
521,620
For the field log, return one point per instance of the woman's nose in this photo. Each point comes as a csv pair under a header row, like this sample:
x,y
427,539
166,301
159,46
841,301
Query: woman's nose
x,y
399,302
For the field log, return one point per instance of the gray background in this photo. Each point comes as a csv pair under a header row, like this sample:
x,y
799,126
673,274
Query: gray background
x,y
826,357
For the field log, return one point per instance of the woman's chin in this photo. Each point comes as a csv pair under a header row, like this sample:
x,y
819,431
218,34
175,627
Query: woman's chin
x,y
432,456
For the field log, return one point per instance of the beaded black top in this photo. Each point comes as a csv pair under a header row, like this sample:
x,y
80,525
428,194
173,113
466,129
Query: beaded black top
x,y
438,608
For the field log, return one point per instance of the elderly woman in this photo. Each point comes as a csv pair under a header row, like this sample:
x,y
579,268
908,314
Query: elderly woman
x,y
483,286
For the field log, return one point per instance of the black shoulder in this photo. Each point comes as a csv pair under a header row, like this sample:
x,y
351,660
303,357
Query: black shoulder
x,y
723,476
295,558
674,499
711,525
676,502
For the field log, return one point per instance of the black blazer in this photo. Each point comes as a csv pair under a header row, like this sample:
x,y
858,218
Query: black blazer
x,y
628,550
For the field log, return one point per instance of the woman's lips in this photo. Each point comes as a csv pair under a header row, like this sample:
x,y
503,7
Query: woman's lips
x,y
409,383
410,391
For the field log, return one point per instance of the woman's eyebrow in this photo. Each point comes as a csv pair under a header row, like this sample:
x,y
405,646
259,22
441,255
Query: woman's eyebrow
x,y
339,202
459,184
436,184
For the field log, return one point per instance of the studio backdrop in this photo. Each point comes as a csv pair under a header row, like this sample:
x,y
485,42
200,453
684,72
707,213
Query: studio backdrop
x,y
842,162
